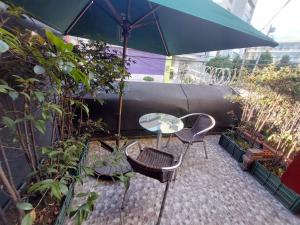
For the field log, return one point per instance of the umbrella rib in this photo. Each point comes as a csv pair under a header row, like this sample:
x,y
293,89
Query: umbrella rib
x,y
162,35
143,24
113,10
145,16
160,31
82,12
128,9
109,14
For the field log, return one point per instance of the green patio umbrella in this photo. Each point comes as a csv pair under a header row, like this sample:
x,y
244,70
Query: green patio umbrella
x,y
166,27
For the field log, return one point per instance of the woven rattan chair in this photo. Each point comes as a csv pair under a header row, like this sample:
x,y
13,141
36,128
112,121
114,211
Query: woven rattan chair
x,y
188,136
155,164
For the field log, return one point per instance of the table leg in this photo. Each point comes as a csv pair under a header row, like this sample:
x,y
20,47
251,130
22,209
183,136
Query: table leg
x,y
159,135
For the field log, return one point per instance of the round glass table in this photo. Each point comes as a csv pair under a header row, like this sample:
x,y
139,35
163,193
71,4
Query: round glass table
x,y
161,123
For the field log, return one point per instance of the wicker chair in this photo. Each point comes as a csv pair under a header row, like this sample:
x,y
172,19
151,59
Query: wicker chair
x,y
188,136
155,164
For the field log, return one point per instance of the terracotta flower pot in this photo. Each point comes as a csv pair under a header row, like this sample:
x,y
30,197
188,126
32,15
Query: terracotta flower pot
x,y
269,151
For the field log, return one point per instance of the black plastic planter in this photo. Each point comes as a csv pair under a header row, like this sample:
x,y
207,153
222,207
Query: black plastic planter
x,y
273,184
260,173
231,147
60,220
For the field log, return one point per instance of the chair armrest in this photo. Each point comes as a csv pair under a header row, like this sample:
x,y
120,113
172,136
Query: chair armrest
x,y
131,145
175,166
205,130
192,114
208,128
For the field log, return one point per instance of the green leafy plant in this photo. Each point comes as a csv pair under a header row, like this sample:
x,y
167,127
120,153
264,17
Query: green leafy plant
x,y
124,179
284,61
104,65
116,159
265,59
148,78
271,110
42,80
30,216
81,213
220,62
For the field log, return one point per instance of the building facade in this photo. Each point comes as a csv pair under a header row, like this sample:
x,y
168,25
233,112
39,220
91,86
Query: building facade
x,y
244,9
292,49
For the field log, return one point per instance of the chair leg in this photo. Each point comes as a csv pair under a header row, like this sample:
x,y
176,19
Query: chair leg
x,y
204,145
168,141
175,175
124,197
163,203
186,150
188,147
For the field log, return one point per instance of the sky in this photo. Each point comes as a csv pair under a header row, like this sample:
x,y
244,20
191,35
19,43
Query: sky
x,y
287,23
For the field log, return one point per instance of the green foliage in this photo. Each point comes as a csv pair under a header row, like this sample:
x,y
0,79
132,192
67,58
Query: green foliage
x,y
265,59
27,220
237,62
116,159
220,62
237,139
24,206
29,217
60,45
124,179
188,80
43,80
250,64
284,61
9,123
103,65
277,170
58,189
148,78
285,81
81,213
271,106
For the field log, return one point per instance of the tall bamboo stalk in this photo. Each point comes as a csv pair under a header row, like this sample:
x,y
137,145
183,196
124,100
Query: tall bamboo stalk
x,y
32,134
53,131
7,167
12,191
21,140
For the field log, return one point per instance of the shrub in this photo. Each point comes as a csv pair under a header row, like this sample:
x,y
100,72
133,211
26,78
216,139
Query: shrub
x,y
148,78
272,107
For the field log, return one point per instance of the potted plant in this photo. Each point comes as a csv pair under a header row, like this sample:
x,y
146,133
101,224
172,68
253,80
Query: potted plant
x,y
270,120
235,145
288,197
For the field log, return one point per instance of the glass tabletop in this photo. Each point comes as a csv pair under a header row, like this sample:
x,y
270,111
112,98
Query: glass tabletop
x,y
161,123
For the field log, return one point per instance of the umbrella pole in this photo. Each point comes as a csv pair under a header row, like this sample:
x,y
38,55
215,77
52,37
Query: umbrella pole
x,y
121,86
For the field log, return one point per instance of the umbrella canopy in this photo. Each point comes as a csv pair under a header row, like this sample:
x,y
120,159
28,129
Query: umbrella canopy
x,y
167,27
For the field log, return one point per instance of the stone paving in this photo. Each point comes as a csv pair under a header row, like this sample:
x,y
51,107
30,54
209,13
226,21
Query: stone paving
x,y
207,191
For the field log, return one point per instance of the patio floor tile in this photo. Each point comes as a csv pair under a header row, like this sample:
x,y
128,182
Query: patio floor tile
x,y
207,191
